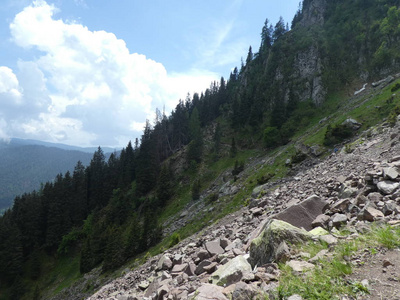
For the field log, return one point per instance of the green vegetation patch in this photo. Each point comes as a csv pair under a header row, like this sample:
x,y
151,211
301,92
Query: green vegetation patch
x,y
329,279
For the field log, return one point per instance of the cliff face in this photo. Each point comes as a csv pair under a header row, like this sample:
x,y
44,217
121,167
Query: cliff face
x,y
331,45
313,13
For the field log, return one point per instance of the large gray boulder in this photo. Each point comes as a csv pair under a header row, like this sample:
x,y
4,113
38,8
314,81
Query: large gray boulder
x,y
387,187
303,214
231,272
263,249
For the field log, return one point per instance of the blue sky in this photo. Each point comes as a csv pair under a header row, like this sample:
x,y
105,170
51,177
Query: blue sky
x,y
89,72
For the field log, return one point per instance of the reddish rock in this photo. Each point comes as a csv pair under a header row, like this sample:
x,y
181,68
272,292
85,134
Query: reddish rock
x,y
304,213
214,247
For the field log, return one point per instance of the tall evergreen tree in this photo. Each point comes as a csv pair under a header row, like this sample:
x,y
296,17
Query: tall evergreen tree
x,y
195,149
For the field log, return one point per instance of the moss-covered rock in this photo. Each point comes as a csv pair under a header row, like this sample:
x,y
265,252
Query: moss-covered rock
x,y
263,248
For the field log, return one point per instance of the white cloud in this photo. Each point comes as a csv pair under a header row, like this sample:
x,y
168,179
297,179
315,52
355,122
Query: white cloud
x,y
86,87
10,92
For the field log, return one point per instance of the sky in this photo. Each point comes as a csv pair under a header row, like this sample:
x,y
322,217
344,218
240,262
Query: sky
x,y
90,72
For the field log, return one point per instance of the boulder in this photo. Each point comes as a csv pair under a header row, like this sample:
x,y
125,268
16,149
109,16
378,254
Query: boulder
x,y
375,197
244,291
351,123
164,263
341,206
389,208
231,272
282,252
369,214
210,291
211,267
390,173
387,187
263,248
214,247
339,220
318,231
303,214
320,221
203,254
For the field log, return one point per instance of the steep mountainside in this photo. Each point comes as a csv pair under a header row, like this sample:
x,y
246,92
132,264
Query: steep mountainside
x,y
349,188
302,96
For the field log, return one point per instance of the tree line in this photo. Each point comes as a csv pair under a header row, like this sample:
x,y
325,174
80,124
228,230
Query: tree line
x,y
107,212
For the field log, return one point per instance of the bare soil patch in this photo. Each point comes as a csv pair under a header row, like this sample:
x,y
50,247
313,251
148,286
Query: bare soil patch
x,y
382,270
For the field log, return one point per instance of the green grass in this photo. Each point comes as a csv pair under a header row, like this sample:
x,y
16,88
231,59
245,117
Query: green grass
x,y
369,110
328,280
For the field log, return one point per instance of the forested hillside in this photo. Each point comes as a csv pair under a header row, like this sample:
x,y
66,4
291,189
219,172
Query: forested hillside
x,y
110,211
24,167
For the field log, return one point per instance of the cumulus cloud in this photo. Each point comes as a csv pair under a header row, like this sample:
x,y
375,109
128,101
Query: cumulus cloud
x,y
85,87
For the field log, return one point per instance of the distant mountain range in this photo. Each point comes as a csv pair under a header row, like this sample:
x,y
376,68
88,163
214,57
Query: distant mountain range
x,y
24,142
25,164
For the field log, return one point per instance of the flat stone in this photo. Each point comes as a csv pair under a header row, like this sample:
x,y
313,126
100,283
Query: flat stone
x,y
210,291
180,268
341,179
211,267
295,297
329,239
300,266
369,214
390,173
143,285
387,187
214,247
321,254
303,214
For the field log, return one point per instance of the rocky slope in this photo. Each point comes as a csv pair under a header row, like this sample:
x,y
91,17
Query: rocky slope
x,y
229,259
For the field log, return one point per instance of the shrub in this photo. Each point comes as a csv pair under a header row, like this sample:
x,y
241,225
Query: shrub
x,y
175,239
212,197
271,137
395,87
392,118
238,168
336,134
196,190
264,178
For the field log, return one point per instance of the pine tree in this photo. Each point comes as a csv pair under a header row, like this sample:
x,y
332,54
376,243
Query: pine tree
x,y
165,188
196,190
217,142
147,164
233,150
196,145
